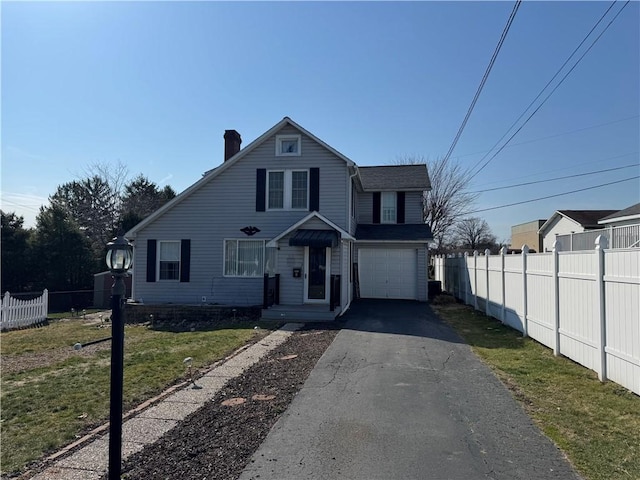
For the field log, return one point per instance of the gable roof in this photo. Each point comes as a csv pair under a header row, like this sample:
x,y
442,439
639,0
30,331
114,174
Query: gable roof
x,y
274,241
394,177
628,213
211,174
585,218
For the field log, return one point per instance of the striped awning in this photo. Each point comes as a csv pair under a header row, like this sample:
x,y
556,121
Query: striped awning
x,y
314,238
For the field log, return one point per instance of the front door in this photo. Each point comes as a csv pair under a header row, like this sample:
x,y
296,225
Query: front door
x,y
316,277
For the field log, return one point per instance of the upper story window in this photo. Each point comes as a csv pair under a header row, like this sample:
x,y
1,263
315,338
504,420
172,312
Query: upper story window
x,y
288,190
388,207
169,260
288,145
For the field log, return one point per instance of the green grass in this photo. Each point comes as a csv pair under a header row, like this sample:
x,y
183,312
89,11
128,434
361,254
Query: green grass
x,y
63,394
596,424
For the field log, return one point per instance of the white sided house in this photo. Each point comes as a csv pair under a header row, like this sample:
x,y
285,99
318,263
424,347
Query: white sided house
x,y
565,222
288,223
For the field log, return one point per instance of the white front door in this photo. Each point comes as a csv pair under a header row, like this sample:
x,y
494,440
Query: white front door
x,y
317,266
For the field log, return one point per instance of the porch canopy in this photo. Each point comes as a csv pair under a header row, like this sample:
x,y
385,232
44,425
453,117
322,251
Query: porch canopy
x,y
314,238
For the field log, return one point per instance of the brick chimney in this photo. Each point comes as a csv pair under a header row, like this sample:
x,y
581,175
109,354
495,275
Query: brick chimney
x,y
232,143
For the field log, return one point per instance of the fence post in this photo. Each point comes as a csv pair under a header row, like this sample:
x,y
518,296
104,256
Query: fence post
x,y
601,244
460,271
475,279
45,303
556,299
487,310
525,326
466,275
503,252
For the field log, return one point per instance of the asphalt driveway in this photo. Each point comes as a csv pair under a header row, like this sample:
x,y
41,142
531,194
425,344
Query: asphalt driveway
x,y
399,396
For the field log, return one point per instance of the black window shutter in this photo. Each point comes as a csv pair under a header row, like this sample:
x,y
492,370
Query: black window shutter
x,y
400,212
314,189
151,260
261,189
185,260
376,207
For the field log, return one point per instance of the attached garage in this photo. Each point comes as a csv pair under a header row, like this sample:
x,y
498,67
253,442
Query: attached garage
x,y
388,273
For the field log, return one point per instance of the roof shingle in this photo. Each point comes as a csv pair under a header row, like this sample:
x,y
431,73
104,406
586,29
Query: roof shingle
x,y
394,178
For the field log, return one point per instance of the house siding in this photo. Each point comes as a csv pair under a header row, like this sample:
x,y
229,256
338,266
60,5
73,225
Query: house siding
x,y
412,205
200,219
560,226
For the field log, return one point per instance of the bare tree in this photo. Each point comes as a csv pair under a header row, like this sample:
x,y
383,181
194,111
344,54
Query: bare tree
x,y
473,233
448,198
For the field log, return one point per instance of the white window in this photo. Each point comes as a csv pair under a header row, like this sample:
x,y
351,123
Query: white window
x,y
248,258
388,206
288,145
288,190
169,260
276,190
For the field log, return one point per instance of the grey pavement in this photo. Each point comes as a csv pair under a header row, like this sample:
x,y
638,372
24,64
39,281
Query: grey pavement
x,y
90,460
397,395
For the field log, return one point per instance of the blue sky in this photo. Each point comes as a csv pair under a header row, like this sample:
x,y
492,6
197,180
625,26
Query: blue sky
x,y
155,84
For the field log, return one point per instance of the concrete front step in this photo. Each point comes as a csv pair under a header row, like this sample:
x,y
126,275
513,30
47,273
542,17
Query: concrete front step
x,y
300,313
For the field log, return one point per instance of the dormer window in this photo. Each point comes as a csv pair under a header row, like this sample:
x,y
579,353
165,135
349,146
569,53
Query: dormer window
x,y
388,207
288,145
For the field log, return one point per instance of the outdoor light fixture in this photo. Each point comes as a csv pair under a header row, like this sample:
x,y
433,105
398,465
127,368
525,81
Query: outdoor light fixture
x,y
119,259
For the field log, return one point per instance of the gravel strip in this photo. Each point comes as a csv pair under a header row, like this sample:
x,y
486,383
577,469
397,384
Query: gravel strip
x,y
217,441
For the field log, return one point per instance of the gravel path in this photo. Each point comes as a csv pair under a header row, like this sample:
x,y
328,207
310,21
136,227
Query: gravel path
x,y
217,441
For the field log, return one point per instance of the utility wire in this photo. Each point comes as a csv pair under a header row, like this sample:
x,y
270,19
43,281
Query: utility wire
x,y
550,136
545,87
484,78
552,196
558,178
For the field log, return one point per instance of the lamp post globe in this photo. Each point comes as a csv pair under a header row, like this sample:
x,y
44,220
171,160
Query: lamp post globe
x,y
119,255
119,258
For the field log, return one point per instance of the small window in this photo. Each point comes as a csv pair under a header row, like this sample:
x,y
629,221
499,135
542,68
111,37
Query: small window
x,y
299,189
388,205
287,145
169,261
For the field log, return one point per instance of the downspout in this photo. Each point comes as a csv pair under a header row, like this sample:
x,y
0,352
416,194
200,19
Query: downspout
x,y
350,195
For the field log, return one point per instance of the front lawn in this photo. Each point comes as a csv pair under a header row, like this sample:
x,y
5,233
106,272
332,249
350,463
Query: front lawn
x,y
52,393
596,424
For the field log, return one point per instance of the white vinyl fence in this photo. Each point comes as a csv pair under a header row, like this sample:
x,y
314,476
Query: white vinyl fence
x,y
583,305
18,313
627,236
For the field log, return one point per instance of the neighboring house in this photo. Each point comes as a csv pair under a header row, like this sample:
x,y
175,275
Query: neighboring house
x,y
623,227
621,218
565,222
527,234
287,220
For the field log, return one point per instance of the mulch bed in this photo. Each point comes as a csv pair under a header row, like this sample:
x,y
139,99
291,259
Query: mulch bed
x,y
217,441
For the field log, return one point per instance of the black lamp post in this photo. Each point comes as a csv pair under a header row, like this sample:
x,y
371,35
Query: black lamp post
x,y
119,257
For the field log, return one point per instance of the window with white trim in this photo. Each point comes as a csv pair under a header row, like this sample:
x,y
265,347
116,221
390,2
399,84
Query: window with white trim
x,y
169,260
288,145
288,190
248,258
388,207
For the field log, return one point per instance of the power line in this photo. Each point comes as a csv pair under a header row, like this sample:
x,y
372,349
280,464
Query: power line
x,y
484,78
552,196
552,136
552,91
559,178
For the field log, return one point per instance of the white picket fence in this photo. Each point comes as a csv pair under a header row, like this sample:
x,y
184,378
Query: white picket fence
x,y
18,313
583,305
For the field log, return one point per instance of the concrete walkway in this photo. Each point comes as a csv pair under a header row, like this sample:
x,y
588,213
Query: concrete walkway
x,y
90,462
397,395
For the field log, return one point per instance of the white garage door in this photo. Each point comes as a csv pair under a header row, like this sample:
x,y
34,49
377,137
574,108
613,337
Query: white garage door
x,y
388,273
